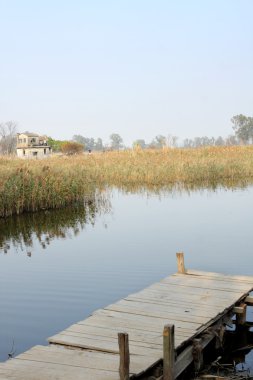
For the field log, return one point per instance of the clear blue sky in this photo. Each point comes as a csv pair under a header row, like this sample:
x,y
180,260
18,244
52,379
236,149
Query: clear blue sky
x,y
135,67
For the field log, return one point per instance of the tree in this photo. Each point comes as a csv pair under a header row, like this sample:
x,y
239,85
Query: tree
x,y
116,141
231,140
8,131
171,141
80,139
219,141
72,147
89,143
158,142
99,144
139,143
243,127
56,145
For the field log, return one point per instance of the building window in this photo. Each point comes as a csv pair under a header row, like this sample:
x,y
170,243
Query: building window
x,y
23,152
45,151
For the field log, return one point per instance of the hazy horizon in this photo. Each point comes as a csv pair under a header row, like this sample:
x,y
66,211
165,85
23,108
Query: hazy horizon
x,y
135,68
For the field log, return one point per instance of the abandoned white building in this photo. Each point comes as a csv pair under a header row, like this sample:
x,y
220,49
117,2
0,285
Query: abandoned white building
x,y
31,145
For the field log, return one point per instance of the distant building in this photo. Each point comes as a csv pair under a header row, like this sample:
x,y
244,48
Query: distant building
x,y
31,145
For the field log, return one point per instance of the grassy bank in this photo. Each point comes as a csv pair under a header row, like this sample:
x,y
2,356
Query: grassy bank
x,y
58,181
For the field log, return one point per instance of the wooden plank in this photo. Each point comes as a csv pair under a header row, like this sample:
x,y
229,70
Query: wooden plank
x,y
201,308
236,278
207,301
120,321
31,370
144,336
191,292
103,345
237,286
154,343
149,319
141,309
211,283
168,307
188,294
185,290
82,358
205,283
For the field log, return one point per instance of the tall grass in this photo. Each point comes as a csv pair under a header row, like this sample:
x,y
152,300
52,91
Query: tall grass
x,y
53,183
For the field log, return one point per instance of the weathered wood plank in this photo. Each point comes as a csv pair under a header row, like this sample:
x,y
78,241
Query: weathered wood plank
x,y
199,309
32,370
111,346
205,283
156,312
187,290
150,319
120,321
236,278
196,311
82,358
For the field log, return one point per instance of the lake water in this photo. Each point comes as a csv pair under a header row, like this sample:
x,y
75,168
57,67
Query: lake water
x,y
57,267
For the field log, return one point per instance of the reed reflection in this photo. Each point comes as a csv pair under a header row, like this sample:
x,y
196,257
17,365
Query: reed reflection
x,y
22,231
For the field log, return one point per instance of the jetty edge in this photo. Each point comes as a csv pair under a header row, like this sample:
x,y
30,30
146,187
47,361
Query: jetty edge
x,y
168,323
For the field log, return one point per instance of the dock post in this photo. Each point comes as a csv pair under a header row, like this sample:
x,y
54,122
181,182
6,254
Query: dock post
x,y
197,353
180,263
168,352
124,356
241,317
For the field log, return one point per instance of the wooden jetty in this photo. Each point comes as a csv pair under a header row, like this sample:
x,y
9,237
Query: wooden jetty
x,y
170,322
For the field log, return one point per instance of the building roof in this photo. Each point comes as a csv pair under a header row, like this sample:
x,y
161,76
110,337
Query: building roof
x,y
29,134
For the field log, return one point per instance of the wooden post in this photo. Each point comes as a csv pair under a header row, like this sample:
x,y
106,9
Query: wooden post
x,y
197,353
124,356
241,317
180,263
168,352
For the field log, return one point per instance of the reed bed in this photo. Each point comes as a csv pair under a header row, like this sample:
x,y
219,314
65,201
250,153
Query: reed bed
x,y
56,182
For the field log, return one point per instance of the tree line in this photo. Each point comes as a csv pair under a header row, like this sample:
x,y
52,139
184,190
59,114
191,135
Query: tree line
x,y
242,126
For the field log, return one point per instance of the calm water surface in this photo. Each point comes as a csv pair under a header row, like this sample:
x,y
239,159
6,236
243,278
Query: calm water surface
x,y
57,267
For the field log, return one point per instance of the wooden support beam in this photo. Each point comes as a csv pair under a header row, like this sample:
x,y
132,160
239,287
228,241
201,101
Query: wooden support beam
x,y
197,353
124,356
238,310
180,263
241,318
168,352
185,358
249,300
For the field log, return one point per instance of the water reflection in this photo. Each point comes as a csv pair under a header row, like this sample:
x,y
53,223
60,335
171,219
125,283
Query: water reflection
x,y
85,268
22,231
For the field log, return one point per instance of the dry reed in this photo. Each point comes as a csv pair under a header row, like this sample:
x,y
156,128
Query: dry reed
x,y
31,185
